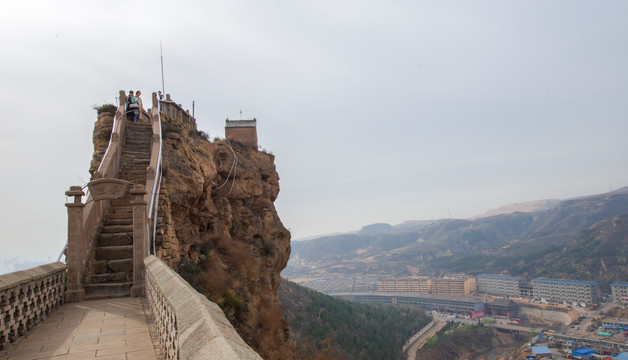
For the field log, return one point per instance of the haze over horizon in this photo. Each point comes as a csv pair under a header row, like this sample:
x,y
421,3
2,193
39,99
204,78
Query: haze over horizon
x,y
376,111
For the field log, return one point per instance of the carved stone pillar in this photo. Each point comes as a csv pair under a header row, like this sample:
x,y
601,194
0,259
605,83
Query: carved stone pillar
x,y
74,252
140,238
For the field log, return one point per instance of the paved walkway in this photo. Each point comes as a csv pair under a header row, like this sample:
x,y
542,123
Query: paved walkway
x,y
96,329
418,344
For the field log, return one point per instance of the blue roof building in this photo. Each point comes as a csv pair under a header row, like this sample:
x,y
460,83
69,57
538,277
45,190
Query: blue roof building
x,y
583,352
541,352
621,356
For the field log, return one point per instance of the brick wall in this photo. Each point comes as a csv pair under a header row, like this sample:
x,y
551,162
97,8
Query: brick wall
x,y
242,131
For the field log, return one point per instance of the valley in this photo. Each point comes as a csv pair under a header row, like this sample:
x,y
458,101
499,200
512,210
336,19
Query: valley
x,y
568,245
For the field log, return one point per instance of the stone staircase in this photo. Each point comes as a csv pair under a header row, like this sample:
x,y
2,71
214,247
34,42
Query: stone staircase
x,y
111,273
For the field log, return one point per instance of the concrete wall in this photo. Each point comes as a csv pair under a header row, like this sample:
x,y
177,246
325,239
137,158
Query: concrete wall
x,y
548,315
27,297
190,326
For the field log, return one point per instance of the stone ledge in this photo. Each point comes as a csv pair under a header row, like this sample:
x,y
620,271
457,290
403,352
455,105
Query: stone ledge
x,y
202,330
24,276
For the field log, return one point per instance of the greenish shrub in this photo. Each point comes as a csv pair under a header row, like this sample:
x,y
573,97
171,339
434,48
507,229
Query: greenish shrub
x,y
108,108
167,126
199,133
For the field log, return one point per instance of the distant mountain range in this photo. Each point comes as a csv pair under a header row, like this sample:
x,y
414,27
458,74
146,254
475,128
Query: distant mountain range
x,y
582,238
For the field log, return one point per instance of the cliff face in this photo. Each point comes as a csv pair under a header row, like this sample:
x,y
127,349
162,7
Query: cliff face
x,y
218,227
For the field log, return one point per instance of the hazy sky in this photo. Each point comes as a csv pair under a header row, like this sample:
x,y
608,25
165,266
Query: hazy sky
x,y
377,111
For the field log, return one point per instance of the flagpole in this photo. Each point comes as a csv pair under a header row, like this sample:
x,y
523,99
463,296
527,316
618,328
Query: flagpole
x,y
163,89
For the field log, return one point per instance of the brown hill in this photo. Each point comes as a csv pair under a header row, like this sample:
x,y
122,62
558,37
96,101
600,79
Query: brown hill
x,y
519,243
526,207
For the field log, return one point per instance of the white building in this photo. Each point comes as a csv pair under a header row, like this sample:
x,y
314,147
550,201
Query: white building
x,y
566,291
620,292
499,285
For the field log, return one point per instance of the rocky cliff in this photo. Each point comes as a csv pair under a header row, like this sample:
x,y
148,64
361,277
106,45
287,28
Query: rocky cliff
x,y
218,227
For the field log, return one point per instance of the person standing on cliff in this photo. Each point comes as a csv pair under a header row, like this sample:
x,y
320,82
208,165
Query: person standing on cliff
x,y
139,102
132,107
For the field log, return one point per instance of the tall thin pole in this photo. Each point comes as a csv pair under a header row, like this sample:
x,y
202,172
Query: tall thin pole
x,y
163,88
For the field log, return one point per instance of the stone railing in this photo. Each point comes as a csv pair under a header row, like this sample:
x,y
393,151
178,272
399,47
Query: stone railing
x,y
176,114
85,219
189,325
27,297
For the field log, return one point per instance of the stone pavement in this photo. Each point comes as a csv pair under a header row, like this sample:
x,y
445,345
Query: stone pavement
x,y
96,329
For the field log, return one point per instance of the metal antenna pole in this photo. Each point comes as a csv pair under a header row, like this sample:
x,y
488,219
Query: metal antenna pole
x,y
163,89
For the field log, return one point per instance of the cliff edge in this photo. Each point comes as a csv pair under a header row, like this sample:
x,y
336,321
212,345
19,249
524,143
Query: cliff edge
x,y
218,228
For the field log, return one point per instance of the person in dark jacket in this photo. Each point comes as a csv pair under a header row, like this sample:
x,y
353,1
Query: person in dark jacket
x,y
132,108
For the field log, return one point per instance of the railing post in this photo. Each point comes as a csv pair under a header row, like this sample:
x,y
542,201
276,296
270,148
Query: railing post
x,y
74,252
140,237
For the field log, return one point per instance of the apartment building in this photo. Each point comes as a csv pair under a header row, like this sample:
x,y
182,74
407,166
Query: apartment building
x,y
454,285
456,304
419,285
619,292
499,285
566,291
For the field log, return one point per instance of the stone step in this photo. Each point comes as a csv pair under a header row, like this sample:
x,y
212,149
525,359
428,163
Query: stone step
x,y
126,220
135,163
119,277
113,266
119,203
119,215
115,239
109,229
130,163
138,152
100,291
114,252
138,171
130,152
133,171
128,160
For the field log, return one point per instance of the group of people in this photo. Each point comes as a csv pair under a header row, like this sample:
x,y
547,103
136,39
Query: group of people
x,y
134,106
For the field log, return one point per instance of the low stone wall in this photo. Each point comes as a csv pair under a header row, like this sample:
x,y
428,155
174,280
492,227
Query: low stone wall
x,y
190,326
417,335
27,297
547,315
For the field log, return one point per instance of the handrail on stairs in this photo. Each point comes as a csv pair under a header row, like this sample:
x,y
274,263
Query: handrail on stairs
x,y
154,169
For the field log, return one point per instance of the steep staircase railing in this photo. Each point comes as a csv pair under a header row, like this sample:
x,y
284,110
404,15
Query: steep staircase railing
x,y
85,219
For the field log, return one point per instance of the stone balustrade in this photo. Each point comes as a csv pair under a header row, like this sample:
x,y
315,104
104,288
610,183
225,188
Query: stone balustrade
x,y
176,114
189,325
27,297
